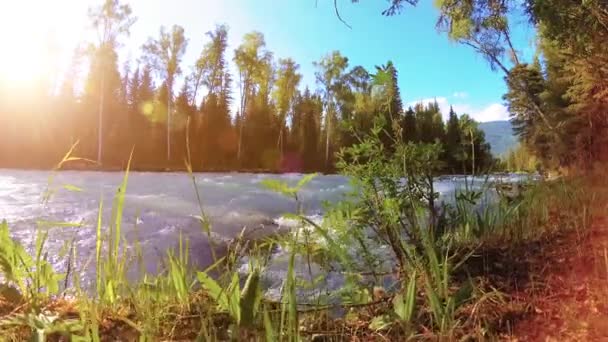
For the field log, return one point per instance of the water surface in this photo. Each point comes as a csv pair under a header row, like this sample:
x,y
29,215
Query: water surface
x,y
158,207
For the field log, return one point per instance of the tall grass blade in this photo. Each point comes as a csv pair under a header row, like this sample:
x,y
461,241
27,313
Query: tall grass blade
x,y
98,243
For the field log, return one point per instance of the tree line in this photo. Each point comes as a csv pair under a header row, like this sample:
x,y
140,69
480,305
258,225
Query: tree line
x,y
557,100
276,126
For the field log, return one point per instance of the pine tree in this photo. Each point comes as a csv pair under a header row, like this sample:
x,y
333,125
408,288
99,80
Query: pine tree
x,y
146,90
306,130
164,55
255,148
133,92
284,94
111,20
252,59
330,74
212,125
389,99
409,126
453,142
438,128
101,94
525,87
124,84
183,113
475,150
424,122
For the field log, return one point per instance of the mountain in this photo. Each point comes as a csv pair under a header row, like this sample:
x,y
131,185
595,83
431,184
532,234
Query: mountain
x,y
499,134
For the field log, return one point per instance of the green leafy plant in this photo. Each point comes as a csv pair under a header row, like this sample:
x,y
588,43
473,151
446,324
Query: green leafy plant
x,y
241,304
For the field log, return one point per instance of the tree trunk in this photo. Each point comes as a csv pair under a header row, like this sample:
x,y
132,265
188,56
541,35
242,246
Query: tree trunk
x,y
472,152
328,129
169,129
238,151
100,116
169,100
244,89
280,142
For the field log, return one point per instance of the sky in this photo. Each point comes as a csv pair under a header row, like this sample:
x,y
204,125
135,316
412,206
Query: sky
x,y
430,66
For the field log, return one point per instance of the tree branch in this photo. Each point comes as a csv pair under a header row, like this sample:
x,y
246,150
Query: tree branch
x,y
513,52
338,14
495,60
486,53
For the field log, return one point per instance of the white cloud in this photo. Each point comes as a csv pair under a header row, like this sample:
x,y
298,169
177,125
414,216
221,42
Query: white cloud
x,y
491,112
460,95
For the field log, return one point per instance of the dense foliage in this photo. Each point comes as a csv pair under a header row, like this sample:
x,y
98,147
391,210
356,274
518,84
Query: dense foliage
x,y
260,118
520,159
558,101
455,271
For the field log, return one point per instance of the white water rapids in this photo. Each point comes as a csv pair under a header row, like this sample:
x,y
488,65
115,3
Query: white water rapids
x,y
157,207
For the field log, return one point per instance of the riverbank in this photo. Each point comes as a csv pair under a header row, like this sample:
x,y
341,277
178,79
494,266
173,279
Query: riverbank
x,y
491,294
184,169
570,302
159,169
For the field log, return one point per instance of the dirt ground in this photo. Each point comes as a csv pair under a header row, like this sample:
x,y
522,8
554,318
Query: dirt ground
x,y
567,299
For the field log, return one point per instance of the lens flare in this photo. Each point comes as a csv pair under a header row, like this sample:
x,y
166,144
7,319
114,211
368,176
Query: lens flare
x,y
34,35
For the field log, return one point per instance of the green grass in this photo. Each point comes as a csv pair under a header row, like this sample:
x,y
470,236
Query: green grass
x,y
434,298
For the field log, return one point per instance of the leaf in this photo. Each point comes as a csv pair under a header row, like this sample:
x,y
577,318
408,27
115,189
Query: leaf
x,y
48,278
98,243
404,305
177,277
250,298
52,224
73,188
290,290
235,298
117,210
270,334
435,303
65,248
305,180
399,306
382,77
215,264
380,323
278,187
205,224
15,262
325,234
109,294
77,159
214,289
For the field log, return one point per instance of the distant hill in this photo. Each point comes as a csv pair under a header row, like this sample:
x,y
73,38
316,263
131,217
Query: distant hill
x,y
500,136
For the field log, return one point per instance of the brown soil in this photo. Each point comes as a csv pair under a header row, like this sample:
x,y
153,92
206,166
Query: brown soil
x,y
567,297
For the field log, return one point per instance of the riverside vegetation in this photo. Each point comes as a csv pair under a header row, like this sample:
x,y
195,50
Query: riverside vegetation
x,y
459,271
452,266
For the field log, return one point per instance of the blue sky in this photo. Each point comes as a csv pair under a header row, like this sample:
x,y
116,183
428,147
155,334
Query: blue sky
x,y
429,65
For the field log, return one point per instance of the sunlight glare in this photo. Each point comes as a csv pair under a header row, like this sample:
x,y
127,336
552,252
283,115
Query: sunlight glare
x,y
31,36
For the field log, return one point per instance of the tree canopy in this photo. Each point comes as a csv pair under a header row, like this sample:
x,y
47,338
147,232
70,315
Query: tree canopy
x,y
558,101
260,118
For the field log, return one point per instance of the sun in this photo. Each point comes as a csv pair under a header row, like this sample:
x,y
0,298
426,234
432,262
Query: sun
x,y
32,33
22,63
22,57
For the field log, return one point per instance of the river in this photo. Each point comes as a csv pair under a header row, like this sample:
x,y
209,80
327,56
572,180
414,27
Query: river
x,y
158,206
